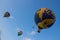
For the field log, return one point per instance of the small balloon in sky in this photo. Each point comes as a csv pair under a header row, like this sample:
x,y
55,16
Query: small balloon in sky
x,y
20,33
7,14
44,18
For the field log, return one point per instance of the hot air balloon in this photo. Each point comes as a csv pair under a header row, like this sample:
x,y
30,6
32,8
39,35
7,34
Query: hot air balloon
x,y
7,14
44,18
20,33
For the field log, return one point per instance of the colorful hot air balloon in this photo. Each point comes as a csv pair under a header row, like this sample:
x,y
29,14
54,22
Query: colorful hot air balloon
x,y
20,33
7,14
44,18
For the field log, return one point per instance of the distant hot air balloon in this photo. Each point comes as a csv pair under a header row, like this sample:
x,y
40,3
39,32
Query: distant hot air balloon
x,y
20,33
44,18
7,14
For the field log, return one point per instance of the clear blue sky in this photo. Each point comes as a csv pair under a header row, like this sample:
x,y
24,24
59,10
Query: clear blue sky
x,y
22,17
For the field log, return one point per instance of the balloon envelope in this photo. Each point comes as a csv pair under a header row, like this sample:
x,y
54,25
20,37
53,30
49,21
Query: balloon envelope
x,y
7,14
20,33
44,18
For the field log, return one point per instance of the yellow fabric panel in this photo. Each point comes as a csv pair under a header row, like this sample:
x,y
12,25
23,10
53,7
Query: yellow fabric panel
x,y
40,13
40,25
48,21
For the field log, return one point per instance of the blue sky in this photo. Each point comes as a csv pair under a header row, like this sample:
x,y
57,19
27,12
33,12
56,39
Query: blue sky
x,y
22,17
